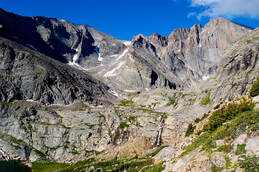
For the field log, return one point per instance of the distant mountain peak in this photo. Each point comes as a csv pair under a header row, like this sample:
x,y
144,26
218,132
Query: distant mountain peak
x,y
184,57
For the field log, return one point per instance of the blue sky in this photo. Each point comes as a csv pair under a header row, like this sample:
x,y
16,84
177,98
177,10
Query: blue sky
x,y
125,18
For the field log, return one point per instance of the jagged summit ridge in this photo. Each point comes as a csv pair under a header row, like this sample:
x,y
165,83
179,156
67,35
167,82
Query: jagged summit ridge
x,y
31,76
179,60
60,39
53,110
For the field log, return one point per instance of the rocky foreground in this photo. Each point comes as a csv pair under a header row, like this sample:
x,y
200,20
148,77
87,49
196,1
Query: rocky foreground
x,y
158,113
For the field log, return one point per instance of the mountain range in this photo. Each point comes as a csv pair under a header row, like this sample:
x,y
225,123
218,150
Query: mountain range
x,y
71,93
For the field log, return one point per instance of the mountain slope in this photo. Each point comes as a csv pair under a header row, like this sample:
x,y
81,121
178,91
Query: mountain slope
x,y
239,67
29,75
59,39
50,106
215,137
183,58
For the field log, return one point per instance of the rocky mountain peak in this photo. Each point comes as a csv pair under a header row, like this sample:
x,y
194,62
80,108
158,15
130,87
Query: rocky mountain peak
x,y
196,27
179,34
186,56
218,22
70,93
225,28
138,37
158,40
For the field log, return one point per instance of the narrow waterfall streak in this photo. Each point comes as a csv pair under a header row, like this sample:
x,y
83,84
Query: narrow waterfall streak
x,y
159,132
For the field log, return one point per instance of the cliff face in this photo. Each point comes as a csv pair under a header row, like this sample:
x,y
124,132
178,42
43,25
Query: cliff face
x,y
180,60
59,39
52,108
183,58
238,68
238,71
201,49
29,75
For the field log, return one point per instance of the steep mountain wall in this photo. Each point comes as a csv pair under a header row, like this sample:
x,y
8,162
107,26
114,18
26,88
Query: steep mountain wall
x,y
29,75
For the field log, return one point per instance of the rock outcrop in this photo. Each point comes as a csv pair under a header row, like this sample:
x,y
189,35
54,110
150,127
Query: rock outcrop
x,y
59,39
183,58
28,75
239,68
52,108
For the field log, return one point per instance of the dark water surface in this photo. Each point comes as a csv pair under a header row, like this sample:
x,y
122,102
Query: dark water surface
x,y
13,166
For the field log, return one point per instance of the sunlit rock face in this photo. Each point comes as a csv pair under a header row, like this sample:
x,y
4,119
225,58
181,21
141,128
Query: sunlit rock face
x,y
186,56
70,93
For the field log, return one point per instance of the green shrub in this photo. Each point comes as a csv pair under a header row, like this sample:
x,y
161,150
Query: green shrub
x,y
255,89
214,168
200,140
217,106
131,166
192,100
132,119
249,164
240,123
206,99
225,148
116,165
227,113
123,125
126,103
244,122
190,130
48,166
39,153
154,168
228,161
151,111
10,103
79,109
157,151
209,144
241,149
172,101
197,120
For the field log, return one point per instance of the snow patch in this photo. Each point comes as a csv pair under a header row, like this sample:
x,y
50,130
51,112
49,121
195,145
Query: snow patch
x,y
100,106
113,93
115,55
77,66
130,91
120,56
32,47
30,100
62,20
123,54
112,72
127,43
73,64
100,58
205,77
75,59
76,56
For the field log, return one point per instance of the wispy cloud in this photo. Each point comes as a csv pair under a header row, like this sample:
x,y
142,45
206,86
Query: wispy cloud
x,y
227,8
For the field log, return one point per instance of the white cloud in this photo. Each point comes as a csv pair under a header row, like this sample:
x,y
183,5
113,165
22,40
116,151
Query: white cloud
x,y
227,8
